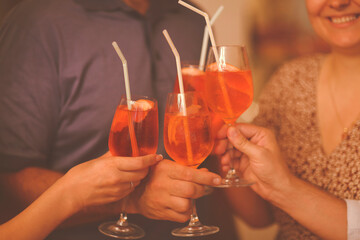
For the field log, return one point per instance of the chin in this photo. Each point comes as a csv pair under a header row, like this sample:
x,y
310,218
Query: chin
x,y
339,38
347,47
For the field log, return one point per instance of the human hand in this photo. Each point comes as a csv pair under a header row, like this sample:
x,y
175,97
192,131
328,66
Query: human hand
x,y
106,179
261,161
223,147
221,140
168,190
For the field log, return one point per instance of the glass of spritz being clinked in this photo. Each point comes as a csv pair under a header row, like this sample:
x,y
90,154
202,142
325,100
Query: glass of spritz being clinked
x,y
229,92
134,132
188,140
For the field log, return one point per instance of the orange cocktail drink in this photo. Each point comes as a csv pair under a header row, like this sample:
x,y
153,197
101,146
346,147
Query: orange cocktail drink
x,y
194,80
134,132
188,140
200,139
229,91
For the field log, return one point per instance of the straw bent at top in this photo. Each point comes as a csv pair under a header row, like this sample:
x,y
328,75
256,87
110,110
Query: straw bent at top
x,y
216,55
182,96
206,38
134,145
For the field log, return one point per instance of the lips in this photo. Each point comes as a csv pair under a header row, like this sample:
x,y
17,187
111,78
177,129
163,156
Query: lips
x,y
344,19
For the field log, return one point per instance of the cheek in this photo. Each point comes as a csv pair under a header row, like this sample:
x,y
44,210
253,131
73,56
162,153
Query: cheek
x,y
319,27
314,7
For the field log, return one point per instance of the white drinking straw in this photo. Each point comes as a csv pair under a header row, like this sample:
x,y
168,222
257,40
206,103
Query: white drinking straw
x,y
126,74
206,38
212,39
182,97
178,67
134,145
206,16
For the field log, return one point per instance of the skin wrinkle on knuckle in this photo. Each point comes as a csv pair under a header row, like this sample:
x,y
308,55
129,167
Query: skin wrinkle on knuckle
x,y
263,153
177,189
183,206
190,191
156,185
111,180
241,141
187,174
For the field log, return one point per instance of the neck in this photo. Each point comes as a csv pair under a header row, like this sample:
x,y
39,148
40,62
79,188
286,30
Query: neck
x,y
338,101
141,6
344,68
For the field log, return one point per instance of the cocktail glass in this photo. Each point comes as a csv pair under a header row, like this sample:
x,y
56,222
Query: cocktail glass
x,y
134,132
188,140
194,79
229,92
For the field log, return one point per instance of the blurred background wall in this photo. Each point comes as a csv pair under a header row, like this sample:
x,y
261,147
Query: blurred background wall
x,y
274,31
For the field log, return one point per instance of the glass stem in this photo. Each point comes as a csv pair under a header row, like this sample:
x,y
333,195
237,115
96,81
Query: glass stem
x,y
194,219
231,152
123,215
122,220
230,148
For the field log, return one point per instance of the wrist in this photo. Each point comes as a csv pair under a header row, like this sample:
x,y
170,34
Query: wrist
x,y
70,204
282,194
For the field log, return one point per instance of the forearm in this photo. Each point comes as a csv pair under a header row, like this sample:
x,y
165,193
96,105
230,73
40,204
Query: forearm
x,y
315,209
41,217
23,187
254,210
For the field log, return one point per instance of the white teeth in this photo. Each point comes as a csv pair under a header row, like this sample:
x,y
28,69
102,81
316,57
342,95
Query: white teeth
x,y
344,19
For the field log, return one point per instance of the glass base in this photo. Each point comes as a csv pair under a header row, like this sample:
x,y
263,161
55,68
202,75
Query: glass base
x,y
194,231
233,180
112,229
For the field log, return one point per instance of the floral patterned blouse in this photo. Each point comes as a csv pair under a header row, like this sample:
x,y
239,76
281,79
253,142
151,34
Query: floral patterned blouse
x,y
288,106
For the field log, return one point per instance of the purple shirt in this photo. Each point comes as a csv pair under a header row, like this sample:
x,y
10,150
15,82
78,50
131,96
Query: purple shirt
x,y
61,80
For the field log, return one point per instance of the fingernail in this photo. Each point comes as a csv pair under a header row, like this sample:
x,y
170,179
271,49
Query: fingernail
x,y
159,157
217,181
233,132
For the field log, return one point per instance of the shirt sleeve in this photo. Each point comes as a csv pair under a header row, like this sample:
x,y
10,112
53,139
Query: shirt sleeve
x,y
353,219
28,93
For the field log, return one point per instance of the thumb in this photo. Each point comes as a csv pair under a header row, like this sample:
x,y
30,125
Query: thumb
x,y
138,163
241,143
151,159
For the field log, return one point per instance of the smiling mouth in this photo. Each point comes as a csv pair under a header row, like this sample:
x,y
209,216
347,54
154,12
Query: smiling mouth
x,y
344,19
